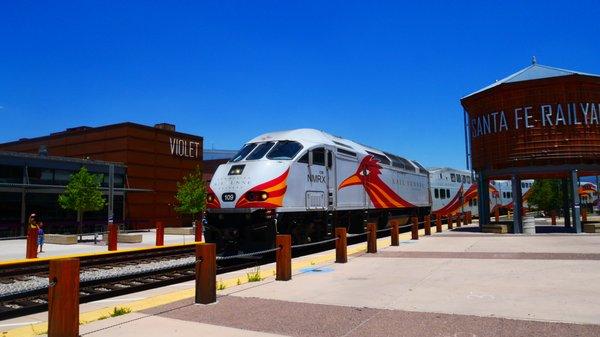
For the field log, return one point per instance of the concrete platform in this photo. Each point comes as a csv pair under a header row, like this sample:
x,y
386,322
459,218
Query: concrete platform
x,y
15,249
450,284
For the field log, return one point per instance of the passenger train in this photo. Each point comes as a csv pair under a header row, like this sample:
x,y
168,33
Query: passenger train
x,y
305,182
454,191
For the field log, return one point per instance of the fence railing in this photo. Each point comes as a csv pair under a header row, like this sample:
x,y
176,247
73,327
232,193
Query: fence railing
x,y
64,276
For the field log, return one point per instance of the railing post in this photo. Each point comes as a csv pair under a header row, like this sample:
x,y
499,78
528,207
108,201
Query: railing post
x,y
198,231
583,214
395,232
458,219
206,273
415,228
553,216
450,221
31,243
438,223
427,225
160,234
113,232
372,238
283,257
341,245
497,214
63,298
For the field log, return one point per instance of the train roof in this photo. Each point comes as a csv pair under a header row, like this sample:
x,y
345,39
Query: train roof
x,y
315,137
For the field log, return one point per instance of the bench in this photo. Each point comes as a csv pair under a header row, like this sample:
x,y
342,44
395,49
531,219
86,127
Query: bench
x,y
125,238
591,227
179,230
495,228
60,239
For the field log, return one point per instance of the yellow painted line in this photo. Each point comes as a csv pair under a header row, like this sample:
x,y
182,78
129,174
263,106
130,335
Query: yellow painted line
x,y
158,300
79,255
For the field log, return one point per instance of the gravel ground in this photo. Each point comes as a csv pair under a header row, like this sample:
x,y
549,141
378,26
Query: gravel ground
x,y
36,283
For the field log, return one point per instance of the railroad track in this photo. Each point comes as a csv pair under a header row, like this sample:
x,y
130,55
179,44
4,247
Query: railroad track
x,y
123,281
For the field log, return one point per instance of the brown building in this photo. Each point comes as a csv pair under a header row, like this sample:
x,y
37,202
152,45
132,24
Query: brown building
x,y
156,158
540,122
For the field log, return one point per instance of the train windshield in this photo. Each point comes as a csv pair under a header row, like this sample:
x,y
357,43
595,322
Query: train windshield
x,y
243,152
260,151
285,150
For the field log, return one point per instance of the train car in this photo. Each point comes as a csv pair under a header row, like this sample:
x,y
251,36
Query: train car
x,y
305,182
454,191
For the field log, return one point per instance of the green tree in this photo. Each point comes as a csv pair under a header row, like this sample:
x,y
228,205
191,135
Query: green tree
x,y
82,194
191,194
546,195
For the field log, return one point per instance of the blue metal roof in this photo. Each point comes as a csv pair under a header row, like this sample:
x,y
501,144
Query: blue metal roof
x,y
534,72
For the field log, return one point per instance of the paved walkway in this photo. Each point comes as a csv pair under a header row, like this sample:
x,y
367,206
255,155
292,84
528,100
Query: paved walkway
x,y
455,284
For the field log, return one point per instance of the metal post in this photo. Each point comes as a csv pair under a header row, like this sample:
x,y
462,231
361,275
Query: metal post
x,y
484,200
566,208
111,192
206,273
517,204
341,245
576,202
63,298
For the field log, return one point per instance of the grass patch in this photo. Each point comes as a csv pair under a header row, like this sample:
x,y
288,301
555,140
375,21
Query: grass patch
x,y
254,276
117,311
239,282
221,285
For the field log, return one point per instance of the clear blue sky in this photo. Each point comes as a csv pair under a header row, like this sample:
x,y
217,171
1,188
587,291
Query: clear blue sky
x,y
387,74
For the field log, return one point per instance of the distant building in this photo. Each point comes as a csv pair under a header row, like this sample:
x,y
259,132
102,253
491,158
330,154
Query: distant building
x,y
151,160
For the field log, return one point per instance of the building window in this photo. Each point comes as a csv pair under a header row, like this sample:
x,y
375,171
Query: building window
x,y
40,176
11,174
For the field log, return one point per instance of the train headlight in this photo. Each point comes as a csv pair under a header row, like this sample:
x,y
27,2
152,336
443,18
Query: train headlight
x,y
257,196
264,196
210,197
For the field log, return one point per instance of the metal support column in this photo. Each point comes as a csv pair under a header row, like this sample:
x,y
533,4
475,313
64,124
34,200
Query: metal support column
x,y
484,200
566,208
517,205
111,192
576,202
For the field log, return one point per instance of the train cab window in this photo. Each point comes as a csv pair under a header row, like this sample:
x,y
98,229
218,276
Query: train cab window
x,y
243,152
304,158
284,150
442,194
318,156
436,193
260,151
453,177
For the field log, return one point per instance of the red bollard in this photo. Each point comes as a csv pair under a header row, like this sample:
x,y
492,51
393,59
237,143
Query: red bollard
x,y
427,225
372,238
415,228
553,216
583,214
63,298
31,249
341,245
450,221
395,233
206,273
438,223
198,231
113,232
458,219
497,214
283,257
160,234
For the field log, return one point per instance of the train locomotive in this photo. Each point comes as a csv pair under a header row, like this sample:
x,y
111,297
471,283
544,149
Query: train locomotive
x,y
304,183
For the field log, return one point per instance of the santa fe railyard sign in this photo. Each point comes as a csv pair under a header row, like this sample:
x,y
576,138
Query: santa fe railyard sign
x,y
527,117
